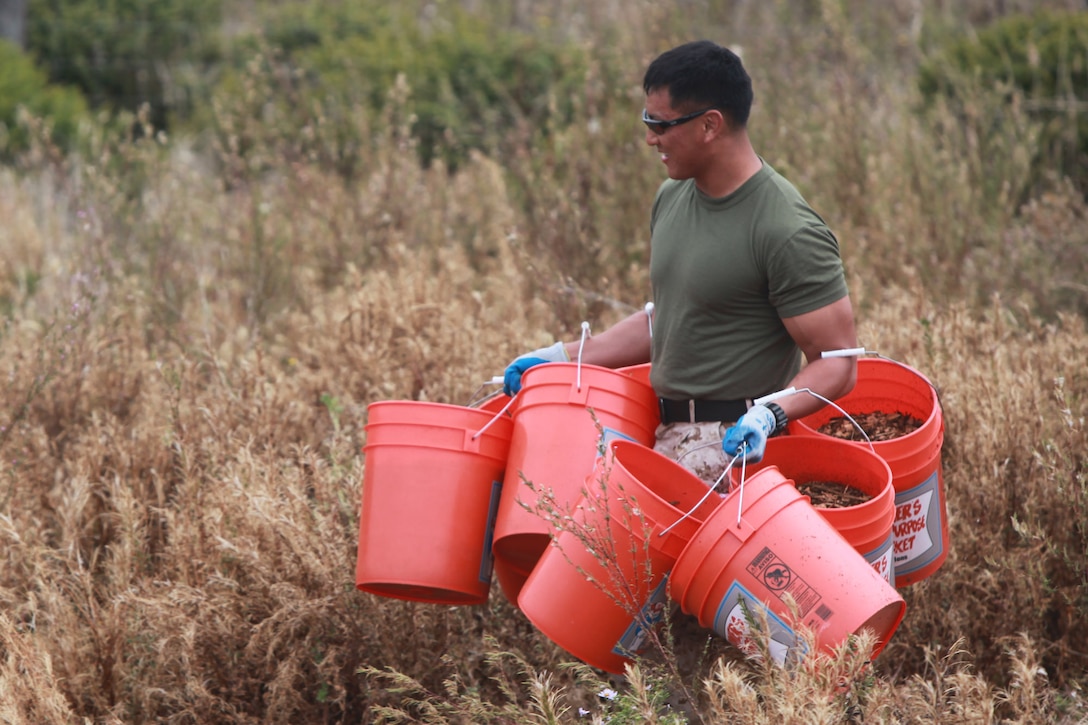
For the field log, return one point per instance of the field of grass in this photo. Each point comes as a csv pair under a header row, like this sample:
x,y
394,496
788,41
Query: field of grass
x,y
193,326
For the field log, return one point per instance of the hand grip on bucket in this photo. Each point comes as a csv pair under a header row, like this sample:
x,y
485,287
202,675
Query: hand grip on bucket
x,y
499,379
740,455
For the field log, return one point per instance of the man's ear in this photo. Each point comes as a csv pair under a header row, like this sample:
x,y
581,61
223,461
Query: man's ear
x,y
714,124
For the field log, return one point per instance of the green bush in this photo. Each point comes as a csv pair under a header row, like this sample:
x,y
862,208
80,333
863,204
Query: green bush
x,y
471,85
26,86
1039,60
126,53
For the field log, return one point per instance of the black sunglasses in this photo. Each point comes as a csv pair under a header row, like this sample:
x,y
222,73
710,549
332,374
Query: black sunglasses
x,y
660,127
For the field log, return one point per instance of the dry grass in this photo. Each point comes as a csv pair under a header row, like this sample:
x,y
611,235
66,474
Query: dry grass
x,y
189,344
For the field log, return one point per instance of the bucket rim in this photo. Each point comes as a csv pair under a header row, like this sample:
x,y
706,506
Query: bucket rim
x,y
433,406
874,492
932,426
660,514
935,413
536,373
440,415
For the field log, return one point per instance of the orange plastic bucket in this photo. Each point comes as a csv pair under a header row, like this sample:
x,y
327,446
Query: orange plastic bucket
x,y
510,578
920,530
639,372
766,541
867,526
499,402
600,590
431,486
554,444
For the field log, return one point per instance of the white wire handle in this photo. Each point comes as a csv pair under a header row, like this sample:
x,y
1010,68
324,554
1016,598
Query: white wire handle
x,y
791,391
846,352
498,415
709,491
581,345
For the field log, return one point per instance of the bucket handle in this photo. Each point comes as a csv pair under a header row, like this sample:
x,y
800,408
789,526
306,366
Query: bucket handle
x,y
791,391
498,380
713,489
491,422
740,454
581,346
476,401
850,352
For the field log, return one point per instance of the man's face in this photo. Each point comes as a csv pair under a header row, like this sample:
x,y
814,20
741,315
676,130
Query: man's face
x,y
679,146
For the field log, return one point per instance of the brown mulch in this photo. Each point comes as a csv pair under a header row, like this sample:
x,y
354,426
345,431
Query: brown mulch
x,y
832,494
878,425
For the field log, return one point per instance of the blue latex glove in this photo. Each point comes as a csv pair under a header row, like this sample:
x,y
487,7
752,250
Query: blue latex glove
x,y
511,379
753,428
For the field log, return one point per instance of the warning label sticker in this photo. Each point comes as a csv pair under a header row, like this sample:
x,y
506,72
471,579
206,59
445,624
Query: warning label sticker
x,y
741,613
777,576
917,526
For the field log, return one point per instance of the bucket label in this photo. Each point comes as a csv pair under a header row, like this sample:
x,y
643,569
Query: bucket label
x,y
611,434
917,526
634,640
780,579
883,561
487,561
741,614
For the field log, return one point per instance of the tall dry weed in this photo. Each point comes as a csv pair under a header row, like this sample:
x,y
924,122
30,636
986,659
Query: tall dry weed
x,y
190,341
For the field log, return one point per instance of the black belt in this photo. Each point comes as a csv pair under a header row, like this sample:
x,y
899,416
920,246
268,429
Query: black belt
x,y
701,411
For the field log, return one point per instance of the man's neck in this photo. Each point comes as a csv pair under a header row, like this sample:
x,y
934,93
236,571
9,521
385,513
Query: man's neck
x,y
734,164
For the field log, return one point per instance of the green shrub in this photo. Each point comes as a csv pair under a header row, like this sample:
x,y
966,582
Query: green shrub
x,y
471,85
1039,60
24,85
125,53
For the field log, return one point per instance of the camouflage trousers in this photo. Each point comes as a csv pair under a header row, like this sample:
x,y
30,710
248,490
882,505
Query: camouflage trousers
x,y
697,447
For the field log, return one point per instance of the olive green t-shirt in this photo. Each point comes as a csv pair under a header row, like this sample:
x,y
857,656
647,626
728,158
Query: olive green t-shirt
x,y
724,274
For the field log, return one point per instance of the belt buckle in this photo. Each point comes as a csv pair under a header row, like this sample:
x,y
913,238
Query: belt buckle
x,y
691,410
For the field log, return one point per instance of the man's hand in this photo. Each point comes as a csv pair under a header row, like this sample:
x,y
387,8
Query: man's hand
x,y
511,379
751,431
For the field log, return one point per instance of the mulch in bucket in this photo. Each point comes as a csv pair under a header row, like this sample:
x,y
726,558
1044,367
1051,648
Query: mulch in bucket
x,y
431,485
766,545
561,415
891,397
599,591
864,510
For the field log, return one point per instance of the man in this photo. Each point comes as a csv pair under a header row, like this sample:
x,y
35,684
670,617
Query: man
x,y
746,277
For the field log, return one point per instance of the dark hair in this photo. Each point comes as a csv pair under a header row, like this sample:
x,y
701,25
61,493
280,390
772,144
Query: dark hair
x,y
703,74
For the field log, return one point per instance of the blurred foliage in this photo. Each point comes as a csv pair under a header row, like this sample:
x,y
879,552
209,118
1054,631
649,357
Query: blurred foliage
x,y
22,85
196,324
471,84
126,53
1039,60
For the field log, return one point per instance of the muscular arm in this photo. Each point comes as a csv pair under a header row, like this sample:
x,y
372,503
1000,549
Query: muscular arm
x,y
828,328
625,343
